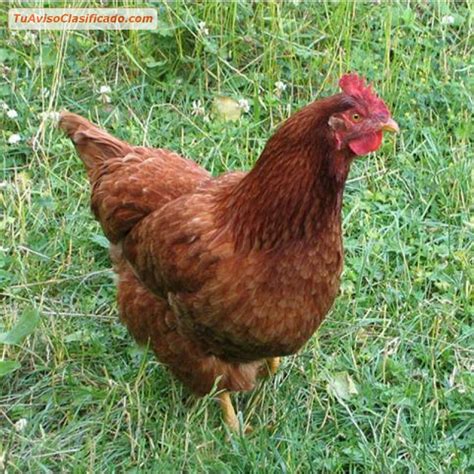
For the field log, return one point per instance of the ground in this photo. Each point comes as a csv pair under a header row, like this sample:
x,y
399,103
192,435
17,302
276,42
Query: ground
x,y
386,384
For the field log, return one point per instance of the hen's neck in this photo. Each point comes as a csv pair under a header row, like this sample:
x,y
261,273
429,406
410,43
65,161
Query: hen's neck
x,y
295,189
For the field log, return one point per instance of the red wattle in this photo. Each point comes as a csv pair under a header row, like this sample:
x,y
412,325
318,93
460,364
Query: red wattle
x,y
367,143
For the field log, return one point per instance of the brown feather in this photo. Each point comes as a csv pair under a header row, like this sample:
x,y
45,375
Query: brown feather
x,y
93,144
220,273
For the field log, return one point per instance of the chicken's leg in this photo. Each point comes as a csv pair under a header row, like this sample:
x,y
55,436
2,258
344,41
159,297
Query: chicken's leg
x,y
269,367
230,418
272,365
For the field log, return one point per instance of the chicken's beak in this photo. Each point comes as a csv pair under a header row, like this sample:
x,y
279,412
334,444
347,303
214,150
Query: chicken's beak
x,y
390,126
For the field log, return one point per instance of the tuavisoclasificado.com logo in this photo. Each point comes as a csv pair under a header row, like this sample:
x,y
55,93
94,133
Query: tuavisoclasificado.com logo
x,y
82,19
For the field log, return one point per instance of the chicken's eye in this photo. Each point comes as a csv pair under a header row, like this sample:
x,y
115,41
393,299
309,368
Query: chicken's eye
x,y
356,117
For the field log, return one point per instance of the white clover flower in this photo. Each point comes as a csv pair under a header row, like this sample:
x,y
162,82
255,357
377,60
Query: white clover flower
x,y
53,116
20,425
280,87
29,39
13,114
14,139
244,105
4,106
105,90
203,29
198,109
447,20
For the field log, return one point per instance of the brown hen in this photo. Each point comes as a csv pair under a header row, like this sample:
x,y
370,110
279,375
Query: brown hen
x,y
221,274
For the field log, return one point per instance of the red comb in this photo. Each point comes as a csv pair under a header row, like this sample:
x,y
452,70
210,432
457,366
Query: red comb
x,y
355,86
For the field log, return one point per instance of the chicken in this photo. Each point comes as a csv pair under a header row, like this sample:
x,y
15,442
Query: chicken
x,y
223,275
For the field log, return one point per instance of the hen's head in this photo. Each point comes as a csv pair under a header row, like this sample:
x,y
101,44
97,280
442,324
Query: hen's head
x,y
360,127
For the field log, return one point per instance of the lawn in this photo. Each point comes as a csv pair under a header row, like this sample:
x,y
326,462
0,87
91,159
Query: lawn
x,y
386,384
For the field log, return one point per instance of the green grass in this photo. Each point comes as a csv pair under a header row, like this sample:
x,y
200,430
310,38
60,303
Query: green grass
x,y
402,326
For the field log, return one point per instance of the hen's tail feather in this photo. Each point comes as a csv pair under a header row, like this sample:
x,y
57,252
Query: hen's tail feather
x,y
93,144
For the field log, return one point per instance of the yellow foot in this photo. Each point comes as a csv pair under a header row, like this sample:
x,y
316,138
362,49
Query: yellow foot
x,y
273,363
270,367
230,418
